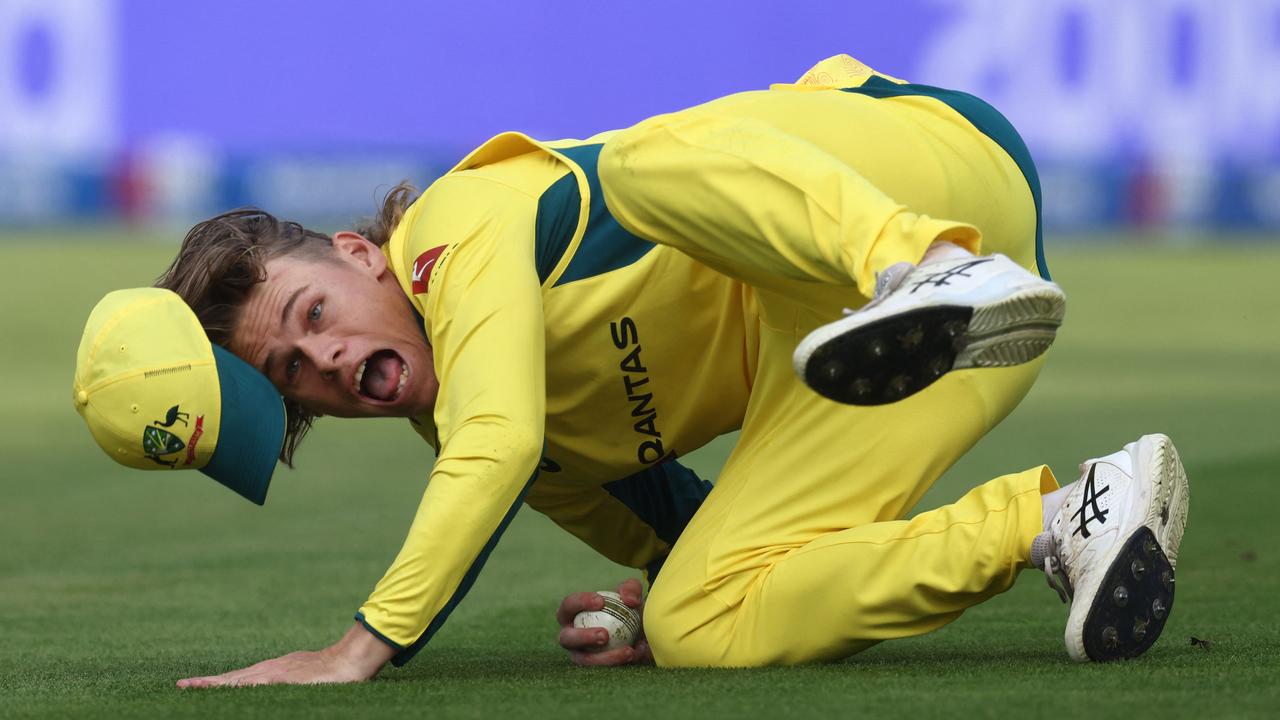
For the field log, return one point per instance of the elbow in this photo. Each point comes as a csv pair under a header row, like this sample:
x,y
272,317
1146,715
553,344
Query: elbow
x,y
525,448
502,441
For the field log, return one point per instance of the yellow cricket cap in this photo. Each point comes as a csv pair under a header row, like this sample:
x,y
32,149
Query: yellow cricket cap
x,y
157,395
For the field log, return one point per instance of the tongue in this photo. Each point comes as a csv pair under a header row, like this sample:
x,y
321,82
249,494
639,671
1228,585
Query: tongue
x,y
382,375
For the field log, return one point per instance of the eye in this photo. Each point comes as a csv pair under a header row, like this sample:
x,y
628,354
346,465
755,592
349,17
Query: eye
x,y
314,313
291,371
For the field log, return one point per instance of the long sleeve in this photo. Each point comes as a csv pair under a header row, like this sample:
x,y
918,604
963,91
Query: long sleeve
x,y
483,317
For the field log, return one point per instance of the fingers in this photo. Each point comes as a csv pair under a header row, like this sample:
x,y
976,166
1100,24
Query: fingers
x,y
619,656
228,679
631,592
576,603
224,680
298,667
583,643
585,639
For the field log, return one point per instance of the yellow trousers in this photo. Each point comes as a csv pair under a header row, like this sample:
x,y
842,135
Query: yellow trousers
x,y
802,552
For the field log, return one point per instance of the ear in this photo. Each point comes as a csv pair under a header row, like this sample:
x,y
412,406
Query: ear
x,y
359,251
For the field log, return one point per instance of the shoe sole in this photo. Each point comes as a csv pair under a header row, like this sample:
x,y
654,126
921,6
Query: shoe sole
x,y
1135,597
895,357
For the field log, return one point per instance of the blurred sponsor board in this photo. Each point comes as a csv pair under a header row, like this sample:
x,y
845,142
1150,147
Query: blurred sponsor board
x,y
179,186
1145,113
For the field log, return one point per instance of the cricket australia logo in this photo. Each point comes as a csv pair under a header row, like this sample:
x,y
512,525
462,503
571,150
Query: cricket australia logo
x,y
158,442
420,279
1089,509
943,277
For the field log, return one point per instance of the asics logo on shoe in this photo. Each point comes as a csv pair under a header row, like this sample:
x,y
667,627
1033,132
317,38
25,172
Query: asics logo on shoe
x,y
1090,502
943,277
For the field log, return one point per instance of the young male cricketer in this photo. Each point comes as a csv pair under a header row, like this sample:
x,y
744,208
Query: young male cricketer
x,y
563,320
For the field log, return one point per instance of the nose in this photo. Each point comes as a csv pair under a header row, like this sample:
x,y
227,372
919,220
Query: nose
x,y
325,353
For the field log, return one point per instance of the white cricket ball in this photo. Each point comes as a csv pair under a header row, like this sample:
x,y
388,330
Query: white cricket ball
x,y
621,620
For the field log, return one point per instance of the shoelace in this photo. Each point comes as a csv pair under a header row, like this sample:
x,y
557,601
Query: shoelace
x,y
1056,576
1055,573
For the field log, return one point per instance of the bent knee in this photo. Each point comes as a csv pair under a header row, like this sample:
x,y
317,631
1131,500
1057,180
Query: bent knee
x,y
694,629
658,153
677,628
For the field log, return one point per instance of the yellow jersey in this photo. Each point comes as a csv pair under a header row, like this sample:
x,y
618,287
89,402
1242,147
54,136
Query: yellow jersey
x,y
577,360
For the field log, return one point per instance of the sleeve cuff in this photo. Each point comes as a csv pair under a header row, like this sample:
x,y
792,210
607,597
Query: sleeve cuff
x,y
374,631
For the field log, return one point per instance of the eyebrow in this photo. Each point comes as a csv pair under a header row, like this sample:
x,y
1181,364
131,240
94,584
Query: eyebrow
x,y
284,314
284,320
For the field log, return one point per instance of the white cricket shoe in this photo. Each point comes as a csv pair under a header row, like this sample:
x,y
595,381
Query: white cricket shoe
x,y
927,320
1112,548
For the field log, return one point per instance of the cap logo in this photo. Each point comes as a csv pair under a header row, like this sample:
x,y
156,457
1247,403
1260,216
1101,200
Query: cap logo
x,y
173,416
423,267
158,442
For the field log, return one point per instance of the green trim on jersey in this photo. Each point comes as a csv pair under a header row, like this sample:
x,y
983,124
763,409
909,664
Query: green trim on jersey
x,y
557,219
664,496
605,245
988,121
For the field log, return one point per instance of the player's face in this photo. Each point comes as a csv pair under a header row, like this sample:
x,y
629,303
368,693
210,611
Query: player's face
x,y
338,335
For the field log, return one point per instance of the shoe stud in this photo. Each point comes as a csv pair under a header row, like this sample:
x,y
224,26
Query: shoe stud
x,y
1159,609
1138,568
912,338
1110,638
1166,579
1120,596
938,366
1140,628
898,385
877,348
832,370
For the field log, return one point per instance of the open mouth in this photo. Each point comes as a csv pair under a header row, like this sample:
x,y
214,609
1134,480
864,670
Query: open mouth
x,y
381,377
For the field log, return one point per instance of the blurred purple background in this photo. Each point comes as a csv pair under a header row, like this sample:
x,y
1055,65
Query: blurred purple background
x,y
1161,113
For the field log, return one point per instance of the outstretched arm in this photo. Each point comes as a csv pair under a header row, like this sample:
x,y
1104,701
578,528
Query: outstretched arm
x,y
483,315
482,309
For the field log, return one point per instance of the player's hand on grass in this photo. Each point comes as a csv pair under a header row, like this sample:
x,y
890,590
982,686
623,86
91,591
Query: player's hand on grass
x,y
585,644
358,656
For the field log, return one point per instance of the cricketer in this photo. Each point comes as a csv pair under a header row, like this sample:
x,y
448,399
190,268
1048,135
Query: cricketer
x,y
848,269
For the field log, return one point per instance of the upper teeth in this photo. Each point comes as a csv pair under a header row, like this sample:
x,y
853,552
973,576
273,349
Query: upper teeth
x,y
360,376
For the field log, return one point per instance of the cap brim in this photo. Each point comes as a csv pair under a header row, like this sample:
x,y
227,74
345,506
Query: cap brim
x,y
250,430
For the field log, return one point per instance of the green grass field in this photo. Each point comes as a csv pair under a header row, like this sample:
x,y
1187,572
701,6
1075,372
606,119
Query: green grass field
x,y
115,583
